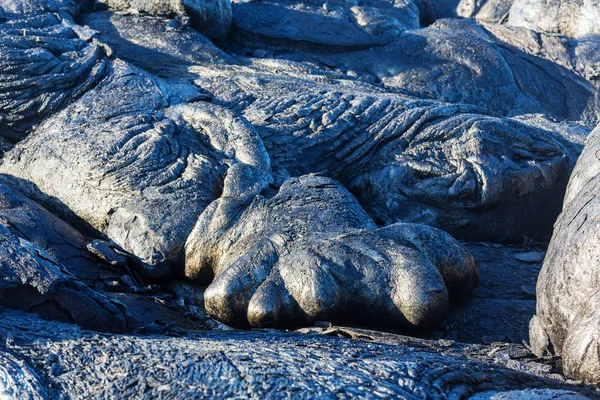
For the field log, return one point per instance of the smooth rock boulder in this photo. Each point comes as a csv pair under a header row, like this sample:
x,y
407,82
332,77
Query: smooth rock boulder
x,y
485,11
568,305
310,253
340,25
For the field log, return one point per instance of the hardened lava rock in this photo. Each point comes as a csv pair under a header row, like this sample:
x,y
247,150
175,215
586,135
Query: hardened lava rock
x,y
568,301
45,64
46,359
211,17
310,253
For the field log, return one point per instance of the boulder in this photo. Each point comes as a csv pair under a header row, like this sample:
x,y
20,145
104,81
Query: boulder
x,y
566,320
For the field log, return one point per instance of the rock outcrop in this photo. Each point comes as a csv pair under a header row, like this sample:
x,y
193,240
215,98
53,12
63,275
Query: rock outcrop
x,y
305,162
438,62
568,307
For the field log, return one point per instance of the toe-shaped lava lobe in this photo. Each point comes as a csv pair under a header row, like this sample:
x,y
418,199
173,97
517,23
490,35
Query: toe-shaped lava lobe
x,y
310,252
566,320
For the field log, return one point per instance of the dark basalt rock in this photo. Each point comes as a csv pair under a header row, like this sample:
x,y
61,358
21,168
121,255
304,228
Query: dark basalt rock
x,y
133,38
46,263
302,184
568,307
150,167
485,11
379,144
411,160
27,219
342,25
53,359
211,17
574,18
45,63
43,264
32,281
446,64
310,253
140,159
12,8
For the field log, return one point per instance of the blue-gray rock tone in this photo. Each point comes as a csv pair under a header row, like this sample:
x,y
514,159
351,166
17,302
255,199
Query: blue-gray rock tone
x,y
169,166
568,302
43,360
414,61
310,253
380,145
45,64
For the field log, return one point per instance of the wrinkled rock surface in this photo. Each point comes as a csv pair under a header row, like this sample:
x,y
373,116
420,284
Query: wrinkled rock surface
x,y
55,359
301,170
32,281
150,156
442,63
379,144
45,64
566,320
143,189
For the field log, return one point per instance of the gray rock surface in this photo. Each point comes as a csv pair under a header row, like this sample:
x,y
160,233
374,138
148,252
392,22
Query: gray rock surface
x,y
45,63
10,8
211,17
32,281
150,157
379,144
134,38
29,220
500,307
311,253
566,320
485,11
47,269
442,63
145,188
408,160
167,151
573,18
63,360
